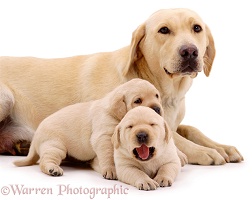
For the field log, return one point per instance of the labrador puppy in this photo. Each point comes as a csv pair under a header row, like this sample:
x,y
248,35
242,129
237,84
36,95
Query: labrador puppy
x,y
84,130
169,49
145,155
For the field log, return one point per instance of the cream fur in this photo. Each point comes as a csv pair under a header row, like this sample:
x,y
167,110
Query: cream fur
x,y
83,130
40,87
162,168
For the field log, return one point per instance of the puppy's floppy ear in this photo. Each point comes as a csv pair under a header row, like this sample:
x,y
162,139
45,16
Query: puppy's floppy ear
x,y
118,107
134,53
115,139
168,132
210,53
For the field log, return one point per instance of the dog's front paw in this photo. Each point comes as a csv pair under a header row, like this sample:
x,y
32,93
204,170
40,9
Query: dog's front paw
x,y
109,173
53,170
147,184
209,157
229,153
164,181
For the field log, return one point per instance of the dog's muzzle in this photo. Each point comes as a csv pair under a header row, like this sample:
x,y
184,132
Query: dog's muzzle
x,y
189,64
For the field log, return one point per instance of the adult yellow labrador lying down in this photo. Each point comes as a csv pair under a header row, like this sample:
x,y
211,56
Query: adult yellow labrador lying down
x,y
84,130
168,50
145,154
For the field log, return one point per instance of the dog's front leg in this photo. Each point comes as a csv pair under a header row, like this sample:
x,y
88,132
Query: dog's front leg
x,y
104,150
229,153
197,154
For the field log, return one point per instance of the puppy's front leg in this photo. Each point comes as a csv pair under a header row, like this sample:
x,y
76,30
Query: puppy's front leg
x,y
105,154
167,174
135,177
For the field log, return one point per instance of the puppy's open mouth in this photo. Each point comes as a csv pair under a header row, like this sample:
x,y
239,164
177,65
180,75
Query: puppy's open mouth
x,y
143,152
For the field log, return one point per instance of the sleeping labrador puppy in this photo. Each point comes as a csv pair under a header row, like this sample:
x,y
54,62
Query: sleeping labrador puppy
x,y
84,130
145,155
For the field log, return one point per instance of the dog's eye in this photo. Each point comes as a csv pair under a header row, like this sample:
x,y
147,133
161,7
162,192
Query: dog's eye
x,y
164,30
197,28
130,127
138,101
157,96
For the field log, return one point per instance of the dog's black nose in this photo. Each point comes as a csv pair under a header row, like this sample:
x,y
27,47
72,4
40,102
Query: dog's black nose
x,y
142,137
157,109
188,52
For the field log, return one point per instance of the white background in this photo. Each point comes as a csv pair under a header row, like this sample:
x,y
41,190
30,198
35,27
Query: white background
x,y
220,105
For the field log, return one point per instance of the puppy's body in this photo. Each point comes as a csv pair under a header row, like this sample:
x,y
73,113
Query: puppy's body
x,y
145,154
66,132
168,50
84,130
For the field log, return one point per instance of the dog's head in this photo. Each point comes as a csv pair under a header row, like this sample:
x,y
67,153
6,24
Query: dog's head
x,y
141,134
174,42
136,92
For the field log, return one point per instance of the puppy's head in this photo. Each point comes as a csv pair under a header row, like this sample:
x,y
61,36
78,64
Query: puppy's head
x,y
141,134
173,42
136,92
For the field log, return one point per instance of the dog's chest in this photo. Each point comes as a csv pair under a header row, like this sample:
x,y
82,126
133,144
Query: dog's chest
x,y
173,111
173,101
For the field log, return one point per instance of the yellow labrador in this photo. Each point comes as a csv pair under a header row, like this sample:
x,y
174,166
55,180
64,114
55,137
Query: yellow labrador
x,y
84,130
145,155
168,50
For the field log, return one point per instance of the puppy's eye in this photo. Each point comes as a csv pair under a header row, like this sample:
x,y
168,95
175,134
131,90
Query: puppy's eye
x,y
152,124
138,101
164,30
197,28
130,127
157,96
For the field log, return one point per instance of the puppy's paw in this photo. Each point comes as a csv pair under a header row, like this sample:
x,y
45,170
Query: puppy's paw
x,y
146,184
164,181
53,170
109,173
56,171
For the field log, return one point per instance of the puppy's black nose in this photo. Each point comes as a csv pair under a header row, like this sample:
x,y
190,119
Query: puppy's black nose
x,y
142,137
188,52
157,109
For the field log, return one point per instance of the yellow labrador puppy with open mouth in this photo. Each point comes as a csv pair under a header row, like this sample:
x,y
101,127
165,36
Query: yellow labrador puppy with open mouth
x,y
145,155
84,130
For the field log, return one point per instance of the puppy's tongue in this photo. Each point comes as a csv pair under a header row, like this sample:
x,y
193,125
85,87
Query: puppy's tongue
x,y
143,152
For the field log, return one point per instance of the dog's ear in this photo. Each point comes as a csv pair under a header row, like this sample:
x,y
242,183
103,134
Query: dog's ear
x,y
134,53
115,139
168,132
118,107
210,53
